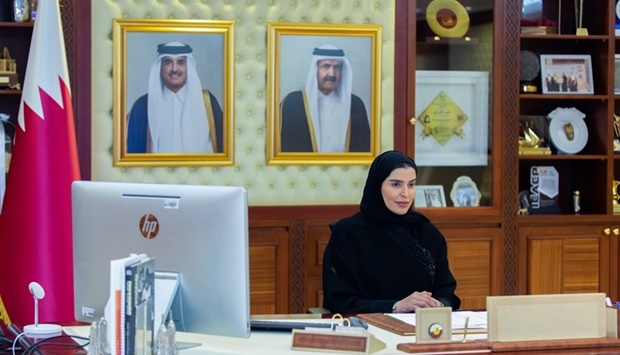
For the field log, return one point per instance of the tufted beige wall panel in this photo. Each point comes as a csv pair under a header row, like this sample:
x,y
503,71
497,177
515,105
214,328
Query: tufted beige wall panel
x,y
267,185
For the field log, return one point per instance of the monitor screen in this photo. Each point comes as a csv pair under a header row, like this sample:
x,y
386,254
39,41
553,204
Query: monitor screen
x,y
200,232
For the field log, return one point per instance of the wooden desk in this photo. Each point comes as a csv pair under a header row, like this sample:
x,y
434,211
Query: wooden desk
x,y
277,343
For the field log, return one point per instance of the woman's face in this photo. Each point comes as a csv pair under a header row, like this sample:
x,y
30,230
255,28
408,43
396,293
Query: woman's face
x,y
398,190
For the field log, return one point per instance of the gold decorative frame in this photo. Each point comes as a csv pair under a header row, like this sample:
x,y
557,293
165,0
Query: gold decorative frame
x,y
135,42
289,48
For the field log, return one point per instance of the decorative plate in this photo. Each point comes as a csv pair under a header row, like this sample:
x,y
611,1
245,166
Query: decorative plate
x,y
568,130
447,18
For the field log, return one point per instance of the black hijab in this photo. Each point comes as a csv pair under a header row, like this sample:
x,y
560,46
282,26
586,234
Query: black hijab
x,y
372,206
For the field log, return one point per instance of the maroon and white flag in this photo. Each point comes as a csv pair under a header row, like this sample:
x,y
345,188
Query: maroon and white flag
x,y
35,223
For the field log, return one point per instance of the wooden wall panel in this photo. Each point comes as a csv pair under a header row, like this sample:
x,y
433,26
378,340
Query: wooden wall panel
x,y
474,255
470,264
318,234
581,266
545,267
269,268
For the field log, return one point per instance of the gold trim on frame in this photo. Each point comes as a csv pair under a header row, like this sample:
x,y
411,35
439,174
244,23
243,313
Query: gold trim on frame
x,y
311,36
184,29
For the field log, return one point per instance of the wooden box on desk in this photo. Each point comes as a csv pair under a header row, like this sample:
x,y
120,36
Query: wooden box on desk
x,y
546,317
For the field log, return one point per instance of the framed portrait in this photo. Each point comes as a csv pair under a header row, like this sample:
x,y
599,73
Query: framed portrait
x,y
566,74
323,93
173,92
430,196
452,118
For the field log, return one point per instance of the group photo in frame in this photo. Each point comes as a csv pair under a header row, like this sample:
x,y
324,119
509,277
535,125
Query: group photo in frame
x,y
323,93
452,118
173,92
566,74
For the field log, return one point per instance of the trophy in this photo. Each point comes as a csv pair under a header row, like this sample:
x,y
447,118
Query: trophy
x,y
615,197
581,31
529,66
8,70
530,141
576,202
616,133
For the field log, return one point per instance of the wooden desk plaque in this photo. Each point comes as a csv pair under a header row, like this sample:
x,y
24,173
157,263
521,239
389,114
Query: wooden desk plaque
x,y
550,345
388,323
470,346
343,339
546,317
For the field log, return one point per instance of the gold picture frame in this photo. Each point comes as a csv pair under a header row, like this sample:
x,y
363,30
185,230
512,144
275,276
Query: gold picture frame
x,y
293,132
135,45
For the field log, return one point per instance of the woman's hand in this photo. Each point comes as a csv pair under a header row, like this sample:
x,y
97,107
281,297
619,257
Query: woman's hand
x,y
416,300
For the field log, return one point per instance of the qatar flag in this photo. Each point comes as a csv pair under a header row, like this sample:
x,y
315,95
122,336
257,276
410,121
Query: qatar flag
x,y
35,222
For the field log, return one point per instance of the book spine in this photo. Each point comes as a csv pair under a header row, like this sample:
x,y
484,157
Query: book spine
x,y
117,292
130,311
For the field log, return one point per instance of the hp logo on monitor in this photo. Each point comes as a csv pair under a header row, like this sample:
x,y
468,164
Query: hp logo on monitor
x,y
149,226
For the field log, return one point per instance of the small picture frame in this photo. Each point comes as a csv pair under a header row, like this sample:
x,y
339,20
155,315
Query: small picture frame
x,y
465,193
617,74
430,196
566,74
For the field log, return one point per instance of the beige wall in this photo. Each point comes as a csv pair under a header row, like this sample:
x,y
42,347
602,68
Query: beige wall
x,y
266,184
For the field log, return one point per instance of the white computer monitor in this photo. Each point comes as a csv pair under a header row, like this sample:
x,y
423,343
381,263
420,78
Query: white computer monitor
x,y
200,232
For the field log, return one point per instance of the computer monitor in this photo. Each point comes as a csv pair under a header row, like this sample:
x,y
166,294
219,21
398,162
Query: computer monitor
x,y
200,232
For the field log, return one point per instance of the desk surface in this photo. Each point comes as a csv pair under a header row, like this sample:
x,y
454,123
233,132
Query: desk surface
x,y
276,342
264,342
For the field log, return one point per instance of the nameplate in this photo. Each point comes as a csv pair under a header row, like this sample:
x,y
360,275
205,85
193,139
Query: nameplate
x,y
354,342
7,79
546,317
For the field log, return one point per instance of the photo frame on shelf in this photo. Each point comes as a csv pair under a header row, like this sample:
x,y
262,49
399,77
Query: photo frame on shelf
x,y
430,196
143,49
465,192
566,74
617,74
298,55
452,118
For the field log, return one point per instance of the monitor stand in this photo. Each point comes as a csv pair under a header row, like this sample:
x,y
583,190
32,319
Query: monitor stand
x,y
168,299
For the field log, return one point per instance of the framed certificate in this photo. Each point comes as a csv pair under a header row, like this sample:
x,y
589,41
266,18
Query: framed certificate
x,y
452,118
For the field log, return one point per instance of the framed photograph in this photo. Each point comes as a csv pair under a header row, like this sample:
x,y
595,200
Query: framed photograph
x,y
430,196
465,192
566,74
617,74
173,92
324,99
452,118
